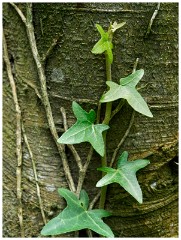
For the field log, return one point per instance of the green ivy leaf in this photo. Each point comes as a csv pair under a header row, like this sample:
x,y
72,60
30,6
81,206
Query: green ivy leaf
x,y
127,90
125,175
76,216
84,130
104,44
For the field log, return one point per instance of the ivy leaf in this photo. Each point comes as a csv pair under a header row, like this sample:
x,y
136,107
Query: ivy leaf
x,y
84,130
104,44
76,217
125,175
116,26
127,90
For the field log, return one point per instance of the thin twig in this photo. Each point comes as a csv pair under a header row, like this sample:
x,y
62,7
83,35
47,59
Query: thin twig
x,y
81,100
45,98
135,65
95,199
42,78
70,146
35,174
151,20
122,140
118,108
76,155
142,87
99,10
91,205
82,172
89,233
33,86
23,18
98,195
47,54
18,136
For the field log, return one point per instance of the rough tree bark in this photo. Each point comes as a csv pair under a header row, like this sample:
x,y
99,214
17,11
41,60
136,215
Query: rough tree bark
x,y
74,73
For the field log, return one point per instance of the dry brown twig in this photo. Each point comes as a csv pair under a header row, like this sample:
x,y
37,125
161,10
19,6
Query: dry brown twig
x,y
122,140
45,99
82,168
151,20
35,175
18,136
70,146
83,172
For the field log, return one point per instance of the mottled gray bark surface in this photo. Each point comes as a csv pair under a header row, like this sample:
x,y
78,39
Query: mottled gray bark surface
x,y
74,73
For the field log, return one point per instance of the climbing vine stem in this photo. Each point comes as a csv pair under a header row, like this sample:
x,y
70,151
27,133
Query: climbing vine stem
x,y
106,121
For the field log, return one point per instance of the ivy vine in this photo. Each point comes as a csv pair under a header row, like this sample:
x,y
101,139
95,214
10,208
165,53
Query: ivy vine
x,y
78,213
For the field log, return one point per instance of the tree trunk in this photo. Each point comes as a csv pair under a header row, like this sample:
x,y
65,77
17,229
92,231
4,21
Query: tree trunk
x,y
73,73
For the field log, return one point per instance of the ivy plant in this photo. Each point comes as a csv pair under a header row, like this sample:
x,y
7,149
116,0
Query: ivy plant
x,y
78,213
